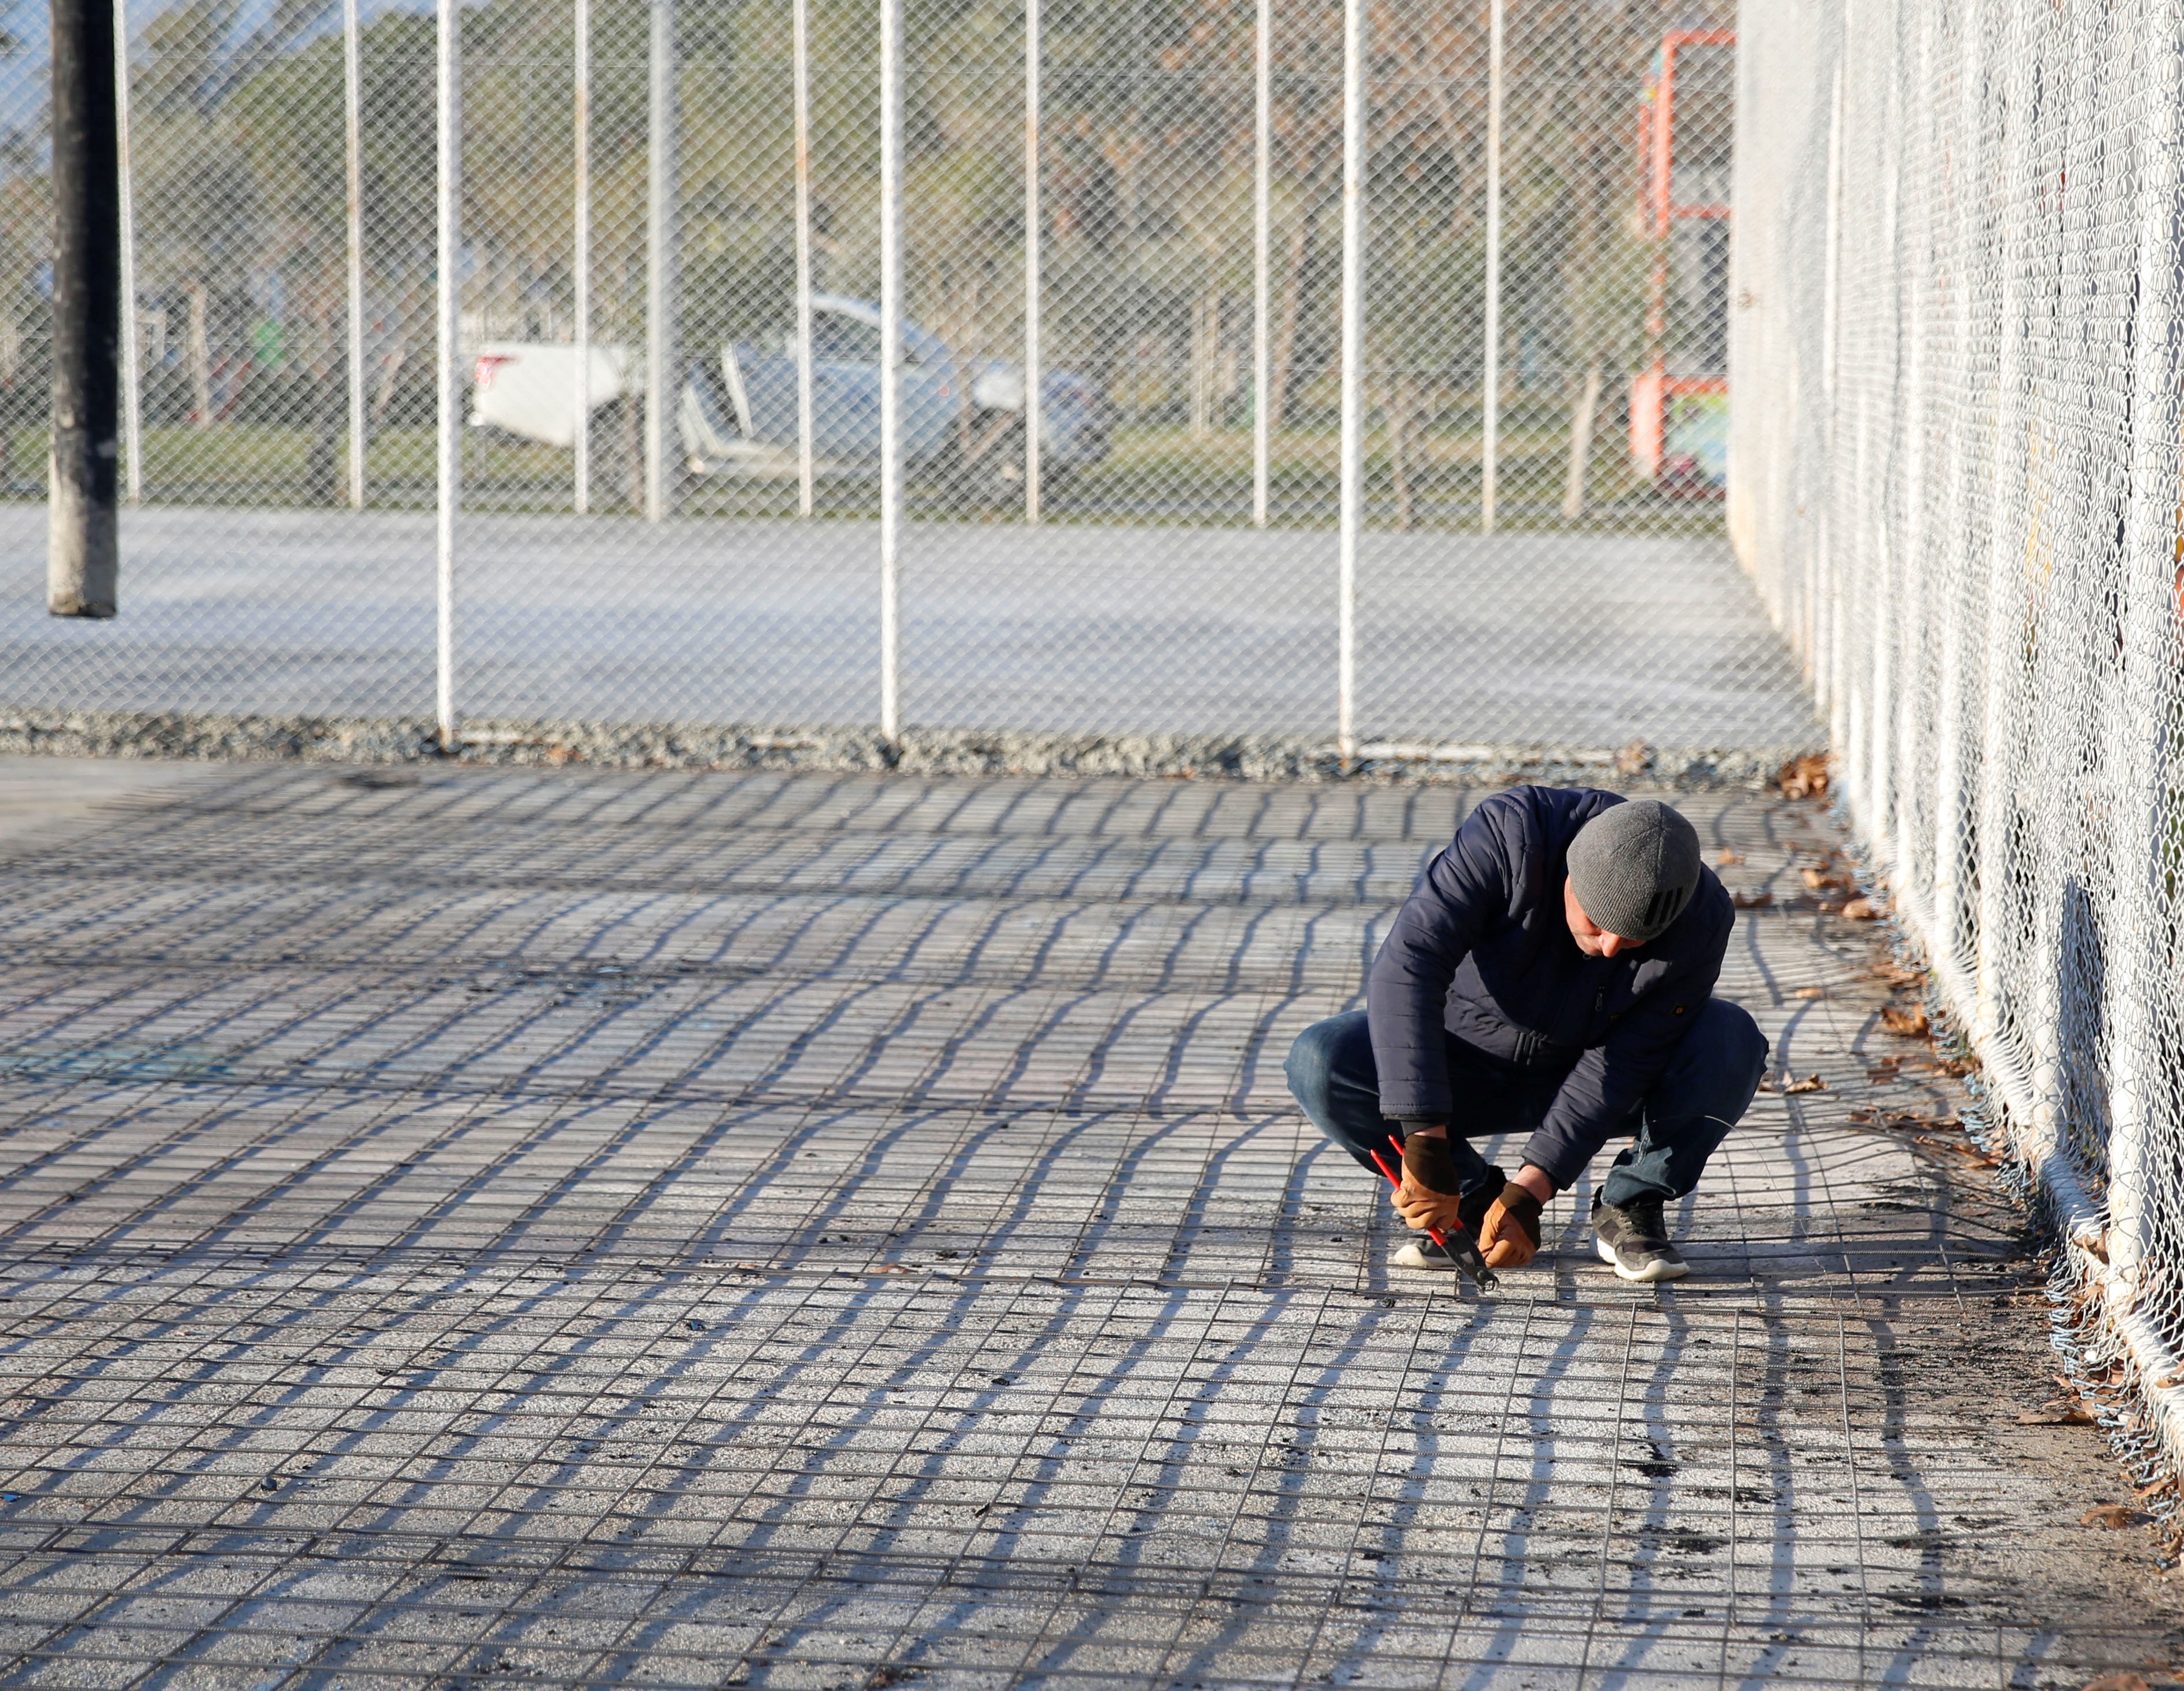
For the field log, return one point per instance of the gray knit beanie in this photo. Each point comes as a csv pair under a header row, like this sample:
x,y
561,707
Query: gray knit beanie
x,y
1633,867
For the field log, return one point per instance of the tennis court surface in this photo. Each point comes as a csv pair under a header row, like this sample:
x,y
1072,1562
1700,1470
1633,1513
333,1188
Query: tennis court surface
x,y
475,1226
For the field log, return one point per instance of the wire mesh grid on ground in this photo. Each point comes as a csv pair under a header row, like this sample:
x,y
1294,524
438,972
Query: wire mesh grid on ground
x,y
815,1231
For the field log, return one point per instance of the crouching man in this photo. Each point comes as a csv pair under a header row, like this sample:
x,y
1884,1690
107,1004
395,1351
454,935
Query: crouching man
x,y
1553,973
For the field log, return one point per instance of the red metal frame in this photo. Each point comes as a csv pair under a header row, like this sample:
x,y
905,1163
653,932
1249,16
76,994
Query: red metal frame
x,y
1653,387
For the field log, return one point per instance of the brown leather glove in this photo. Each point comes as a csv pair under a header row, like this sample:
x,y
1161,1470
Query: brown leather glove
x,y
1509,1237
1431,1197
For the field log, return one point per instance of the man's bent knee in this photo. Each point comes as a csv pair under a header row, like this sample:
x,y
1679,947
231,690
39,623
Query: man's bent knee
x,y
1332,1077
1731,1051
1736,1035
1310,1066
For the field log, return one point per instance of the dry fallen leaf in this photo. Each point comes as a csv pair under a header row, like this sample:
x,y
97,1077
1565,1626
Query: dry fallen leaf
x,y
1859,910
2163,1384
1962,1148
2071,1417
1810,1084
2095,1245
1809,993
1723,858
1805,777
2123,1679
1752,901
2114,1515
1907,1019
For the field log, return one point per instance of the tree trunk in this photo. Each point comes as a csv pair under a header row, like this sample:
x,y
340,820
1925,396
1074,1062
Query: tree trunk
x,y
1285,332
11,365
392,368
1580,451
1399,445
198,352
1204,363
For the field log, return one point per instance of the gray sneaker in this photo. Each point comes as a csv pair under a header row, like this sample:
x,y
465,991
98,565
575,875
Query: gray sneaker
x,y
1633,1240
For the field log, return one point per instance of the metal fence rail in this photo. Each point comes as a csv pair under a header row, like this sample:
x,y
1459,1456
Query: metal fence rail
x,y
1959,270
1432,301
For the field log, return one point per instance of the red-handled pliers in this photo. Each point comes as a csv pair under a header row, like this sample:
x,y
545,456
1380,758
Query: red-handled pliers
x,y
1464,1253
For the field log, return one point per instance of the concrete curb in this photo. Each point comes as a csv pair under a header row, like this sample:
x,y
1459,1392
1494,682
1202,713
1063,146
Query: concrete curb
x,y
921,751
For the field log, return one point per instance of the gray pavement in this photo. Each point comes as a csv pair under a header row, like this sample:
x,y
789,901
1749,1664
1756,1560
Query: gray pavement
x,y
465,1227
1583,639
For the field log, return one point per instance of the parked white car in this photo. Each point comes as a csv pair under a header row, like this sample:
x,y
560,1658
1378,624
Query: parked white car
x,y
963,417
529,387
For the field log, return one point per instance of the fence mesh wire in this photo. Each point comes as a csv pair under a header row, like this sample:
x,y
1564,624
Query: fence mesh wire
x,y
264,576
1959,263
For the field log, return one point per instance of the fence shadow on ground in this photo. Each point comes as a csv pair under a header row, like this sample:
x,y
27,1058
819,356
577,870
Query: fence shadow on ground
x,y
851,1230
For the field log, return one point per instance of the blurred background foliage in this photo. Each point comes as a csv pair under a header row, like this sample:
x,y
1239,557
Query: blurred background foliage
x,y
1147,181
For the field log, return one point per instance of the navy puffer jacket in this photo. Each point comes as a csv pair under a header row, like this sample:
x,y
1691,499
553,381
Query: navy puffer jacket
x,y
1482,950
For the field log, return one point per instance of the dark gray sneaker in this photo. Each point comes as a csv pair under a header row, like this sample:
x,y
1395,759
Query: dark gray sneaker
x,y
1633,1240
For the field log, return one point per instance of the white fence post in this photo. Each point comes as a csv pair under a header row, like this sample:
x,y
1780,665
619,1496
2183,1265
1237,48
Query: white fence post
x,y
2138,755
449,378
1033,372
132,356
1354,133
1490,448
1262,235
352,170
661,388
580,257
800,97
890,364
2001,590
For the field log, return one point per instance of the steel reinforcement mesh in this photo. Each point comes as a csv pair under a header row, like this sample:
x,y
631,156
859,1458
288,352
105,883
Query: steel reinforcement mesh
x,y
1540,557
481,1227
1960,260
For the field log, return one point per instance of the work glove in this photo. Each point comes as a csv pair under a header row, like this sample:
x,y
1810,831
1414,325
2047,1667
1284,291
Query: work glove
x,y
1430,1197
1509,1237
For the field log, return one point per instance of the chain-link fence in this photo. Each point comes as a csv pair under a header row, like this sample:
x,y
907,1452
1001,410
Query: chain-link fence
x,y
1496,519
1961,403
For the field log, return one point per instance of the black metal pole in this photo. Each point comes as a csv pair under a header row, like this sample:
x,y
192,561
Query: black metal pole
x,y
82,561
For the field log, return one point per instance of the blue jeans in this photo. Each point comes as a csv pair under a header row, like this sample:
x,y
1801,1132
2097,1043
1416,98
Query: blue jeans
x,y
1709,1084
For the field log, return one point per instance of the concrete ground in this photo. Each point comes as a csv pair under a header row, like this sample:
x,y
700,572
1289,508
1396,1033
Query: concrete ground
x,y
465,1227
1578,639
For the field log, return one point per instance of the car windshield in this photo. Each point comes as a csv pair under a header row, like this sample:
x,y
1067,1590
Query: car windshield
x,y
837,339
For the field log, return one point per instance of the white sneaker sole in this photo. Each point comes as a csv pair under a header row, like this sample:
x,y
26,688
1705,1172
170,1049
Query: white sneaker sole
x,y
1646,1276
1411,1256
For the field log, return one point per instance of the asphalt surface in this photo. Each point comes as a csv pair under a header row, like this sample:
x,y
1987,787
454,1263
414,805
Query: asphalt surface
x,y
465,1227
1588,640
